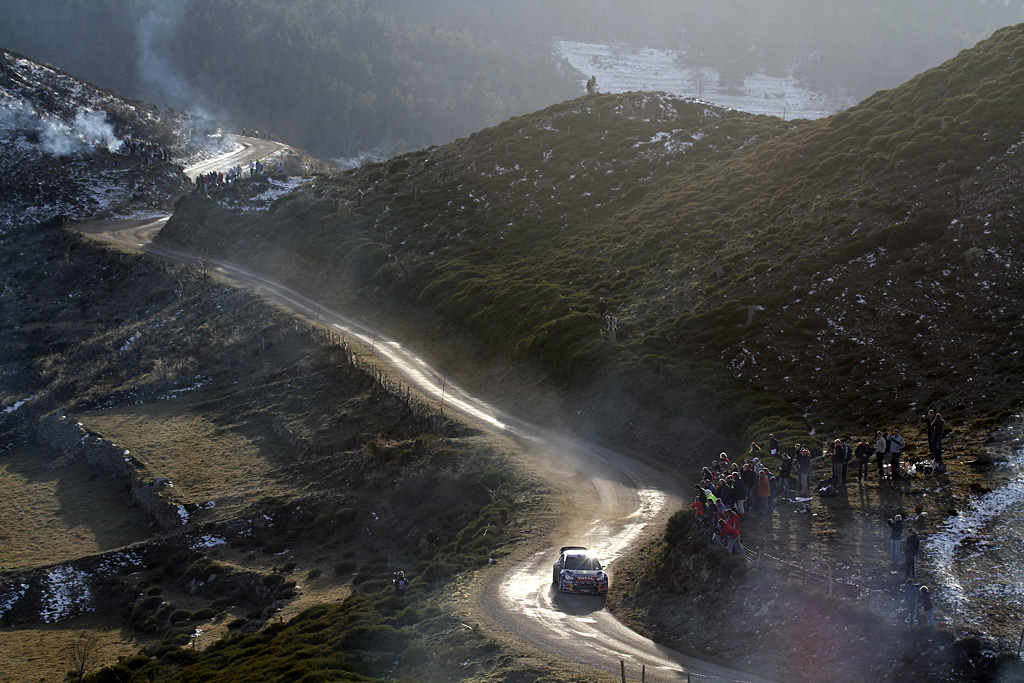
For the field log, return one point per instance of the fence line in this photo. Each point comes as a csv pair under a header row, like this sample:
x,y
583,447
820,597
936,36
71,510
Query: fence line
x,y
434,419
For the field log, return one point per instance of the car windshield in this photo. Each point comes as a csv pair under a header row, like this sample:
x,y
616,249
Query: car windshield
x,y
588,562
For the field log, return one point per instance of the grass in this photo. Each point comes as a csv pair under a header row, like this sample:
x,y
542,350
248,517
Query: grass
x,y
205,457
310,464
61,513
686,221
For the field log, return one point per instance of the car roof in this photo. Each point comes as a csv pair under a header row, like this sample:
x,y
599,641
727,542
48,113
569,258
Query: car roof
x,y
579,550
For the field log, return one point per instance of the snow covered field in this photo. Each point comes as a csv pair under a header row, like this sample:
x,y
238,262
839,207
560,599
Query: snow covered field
x,y
623,68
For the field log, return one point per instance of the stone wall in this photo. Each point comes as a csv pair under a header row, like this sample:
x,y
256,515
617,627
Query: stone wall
x,y
73,440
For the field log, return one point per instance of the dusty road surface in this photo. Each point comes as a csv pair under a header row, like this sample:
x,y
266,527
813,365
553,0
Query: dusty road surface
x,y
607,501
251,149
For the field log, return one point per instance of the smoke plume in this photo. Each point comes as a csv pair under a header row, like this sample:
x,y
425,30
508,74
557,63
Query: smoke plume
x,y
84,134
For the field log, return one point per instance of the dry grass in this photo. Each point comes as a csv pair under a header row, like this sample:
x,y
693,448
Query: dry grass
x,y
205,460
59,514
37,654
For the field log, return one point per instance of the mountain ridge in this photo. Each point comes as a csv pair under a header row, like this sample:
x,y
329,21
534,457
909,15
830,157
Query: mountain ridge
x,y
704,229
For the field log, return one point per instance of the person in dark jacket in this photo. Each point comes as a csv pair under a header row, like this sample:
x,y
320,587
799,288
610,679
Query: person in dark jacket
x,y
740,494
803,464
895,537
938,427
925,598
785,474
913,593
863,454
910,548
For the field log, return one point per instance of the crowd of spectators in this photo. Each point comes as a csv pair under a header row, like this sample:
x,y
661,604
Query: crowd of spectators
x,y
205,181
147,153
729,490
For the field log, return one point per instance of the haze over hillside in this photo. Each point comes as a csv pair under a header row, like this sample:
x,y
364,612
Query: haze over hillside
x,y
734,249
810,278
340,77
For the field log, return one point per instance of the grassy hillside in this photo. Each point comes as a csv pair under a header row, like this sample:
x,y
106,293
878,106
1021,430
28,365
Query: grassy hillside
x,y
832,275
307,481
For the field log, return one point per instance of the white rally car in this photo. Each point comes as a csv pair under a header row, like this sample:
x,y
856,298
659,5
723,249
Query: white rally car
x,y
579,571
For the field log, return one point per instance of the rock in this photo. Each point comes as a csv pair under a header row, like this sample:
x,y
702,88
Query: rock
x,y
973,254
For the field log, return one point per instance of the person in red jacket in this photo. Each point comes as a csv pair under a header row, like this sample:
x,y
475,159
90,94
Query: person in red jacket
x,y
731,532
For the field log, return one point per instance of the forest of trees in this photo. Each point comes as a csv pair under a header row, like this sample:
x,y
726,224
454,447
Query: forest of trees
x,y
339,77
333,76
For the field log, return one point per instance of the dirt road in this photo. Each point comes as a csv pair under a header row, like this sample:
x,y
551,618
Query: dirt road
x,y
610,501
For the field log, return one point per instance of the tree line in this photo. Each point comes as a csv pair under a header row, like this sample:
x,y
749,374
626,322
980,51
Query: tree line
x,y
333,76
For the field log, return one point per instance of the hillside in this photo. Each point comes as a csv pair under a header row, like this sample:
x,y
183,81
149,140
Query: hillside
x,y
61,148
182,461
295,476
370,76
833,275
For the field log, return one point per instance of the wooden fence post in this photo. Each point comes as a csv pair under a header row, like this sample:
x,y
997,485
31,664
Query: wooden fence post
x,y
622,664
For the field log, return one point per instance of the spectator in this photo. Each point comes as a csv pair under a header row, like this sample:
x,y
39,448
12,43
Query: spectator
x,y
896,445
785,472
764,492
773,444
929,420
881,446
863,454
895,538
926,605
910,549
803,463
730,529
750,479
740,492
911,599
938,424
838,454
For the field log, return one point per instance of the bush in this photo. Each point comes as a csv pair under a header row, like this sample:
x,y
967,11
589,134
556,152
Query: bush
x,y
345,567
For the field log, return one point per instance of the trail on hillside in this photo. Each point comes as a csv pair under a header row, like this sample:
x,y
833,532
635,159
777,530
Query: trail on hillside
x,y
608,501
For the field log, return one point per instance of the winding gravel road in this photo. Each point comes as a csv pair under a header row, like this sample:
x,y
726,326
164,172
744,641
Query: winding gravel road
x,y
616,500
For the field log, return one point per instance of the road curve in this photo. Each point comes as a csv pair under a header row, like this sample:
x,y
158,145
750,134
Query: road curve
x,y
250,149
624,498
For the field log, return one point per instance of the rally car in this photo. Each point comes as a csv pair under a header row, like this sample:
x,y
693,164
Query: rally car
x,y
579,571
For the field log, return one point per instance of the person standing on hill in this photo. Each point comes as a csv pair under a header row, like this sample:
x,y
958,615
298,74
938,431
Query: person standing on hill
x,y
926,605
910,549
773,444
750,479
938,424
764,492
602,307
838,454
863,454
928,420
896,445
803,464
911,599
785,473
847,457
895,538
881,446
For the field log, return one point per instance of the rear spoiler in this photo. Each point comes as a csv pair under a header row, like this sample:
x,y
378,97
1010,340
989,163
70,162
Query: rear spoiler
x,y
572,547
